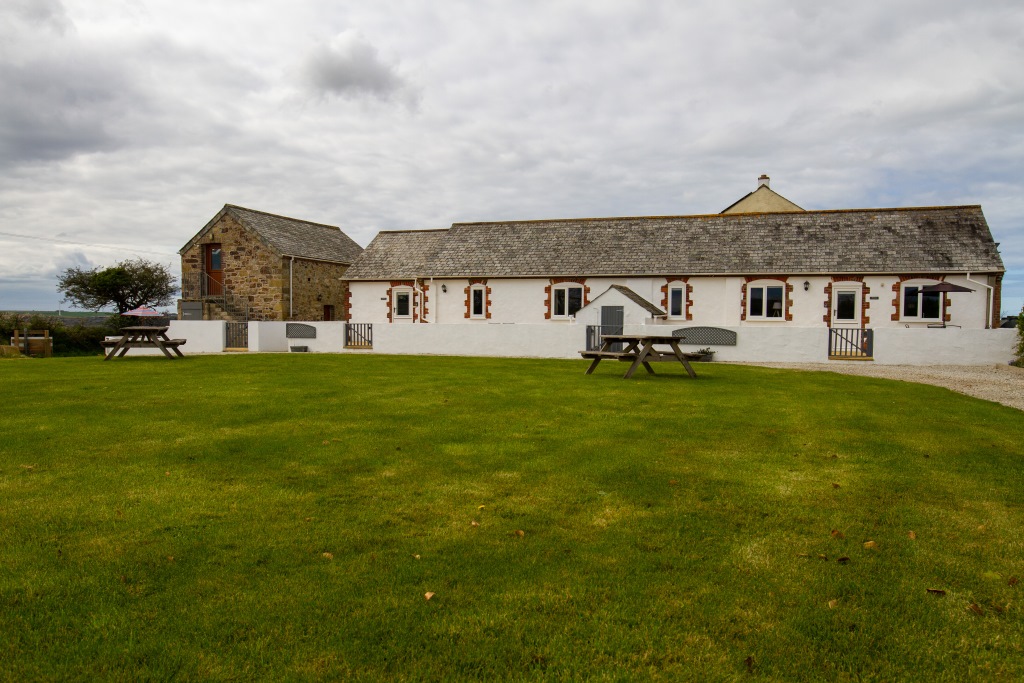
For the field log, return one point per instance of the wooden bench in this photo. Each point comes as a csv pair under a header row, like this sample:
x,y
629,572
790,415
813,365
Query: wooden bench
x,y
629,356
169,343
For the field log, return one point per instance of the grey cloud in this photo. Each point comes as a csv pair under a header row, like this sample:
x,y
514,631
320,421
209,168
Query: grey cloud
x,y
51,112
45,13
351,66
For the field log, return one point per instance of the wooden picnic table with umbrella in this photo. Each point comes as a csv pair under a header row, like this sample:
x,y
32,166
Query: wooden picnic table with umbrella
x,y
143,337
942,289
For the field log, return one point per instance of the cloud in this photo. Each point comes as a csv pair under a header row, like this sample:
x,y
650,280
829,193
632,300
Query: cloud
x,y
348,66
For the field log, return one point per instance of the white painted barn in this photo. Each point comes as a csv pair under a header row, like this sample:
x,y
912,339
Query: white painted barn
x,y
764,268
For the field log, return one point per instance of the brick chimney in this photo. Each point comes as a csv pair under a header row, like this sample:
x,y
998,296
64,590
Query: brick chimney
x,y
763,180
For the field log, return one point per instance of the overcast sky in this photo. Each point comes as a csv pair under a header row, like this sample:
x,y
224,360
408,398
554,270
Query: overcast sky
x,y
125,125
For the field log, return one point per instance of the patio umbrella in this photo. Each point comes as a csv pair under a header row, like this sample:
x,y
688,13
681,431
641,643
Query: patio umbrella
x,y
143,312
945,287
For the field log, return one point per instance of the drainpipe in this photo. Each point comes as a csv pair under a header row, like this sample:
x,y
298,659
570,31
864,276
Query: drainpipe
x,y
988,307
435,294
291,287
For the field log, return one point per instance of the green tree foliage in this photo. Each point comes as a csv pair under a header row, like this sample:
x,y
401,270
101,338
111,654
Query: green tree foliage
x,y
1020,339
127,285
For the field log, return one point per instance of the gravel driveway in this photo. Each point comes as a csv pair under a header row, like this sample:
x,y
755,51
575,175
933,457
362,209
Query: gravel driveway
x,y
1000,383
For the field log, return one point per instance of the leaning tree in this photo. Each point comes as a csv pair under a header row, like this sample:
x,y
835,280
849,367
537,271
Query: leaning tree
x,y
125,286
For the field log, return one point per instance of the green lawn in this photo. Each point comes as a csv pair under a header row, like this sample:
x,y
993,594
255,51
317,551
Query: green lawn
x,y
283,516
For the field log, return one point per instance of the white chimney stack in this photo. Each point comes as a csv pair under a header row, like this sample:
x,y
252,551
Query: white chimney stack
x,y
763,180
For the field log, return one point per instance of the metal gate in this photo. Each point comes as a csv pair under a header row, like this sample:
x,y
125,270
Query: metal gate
x,y
236,337
851,343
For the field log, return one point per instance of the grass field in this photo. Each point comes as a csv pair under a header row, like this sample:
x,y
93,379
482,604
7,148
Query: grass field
x,y
280,517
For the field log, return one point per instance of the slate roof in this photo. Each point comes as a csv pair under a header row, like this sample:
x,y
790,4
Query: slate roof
x,y
913,240
397,255
291,236
636,298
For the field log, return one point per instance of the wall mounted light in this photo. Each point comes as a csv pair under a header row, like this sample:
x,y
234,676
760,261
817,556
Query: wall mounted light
x,y
444,288
807,285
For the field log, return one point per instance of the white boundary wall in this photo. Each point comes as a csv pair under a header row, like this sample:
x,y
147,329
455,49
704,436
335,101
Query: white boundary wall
x,y
892,346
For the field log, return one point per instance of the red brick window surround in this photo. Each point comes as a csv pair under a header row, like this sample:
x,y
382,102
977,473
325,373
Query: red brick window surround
x,y
403,301
766,298
562,294
478,299
677,297
909,305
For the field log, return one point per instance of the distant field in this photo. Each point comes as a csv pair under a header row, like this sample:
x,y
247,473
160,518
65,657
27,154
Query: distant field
x,y
63,314
284,516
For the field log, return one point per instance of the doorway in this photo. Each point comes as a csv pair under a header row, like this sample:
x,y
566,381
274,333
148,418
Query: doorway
x,y
213,263
846,306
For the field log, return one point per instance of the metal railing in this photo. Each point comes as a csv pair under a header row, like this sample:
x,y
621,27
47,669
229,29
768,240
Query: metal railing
x,y
850,343
358,335
201,287
594,333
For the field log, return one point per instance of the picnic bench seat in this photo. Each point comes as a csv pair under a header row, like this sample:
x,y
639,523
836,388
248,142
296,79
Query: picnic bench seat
x,y
169,343
630,356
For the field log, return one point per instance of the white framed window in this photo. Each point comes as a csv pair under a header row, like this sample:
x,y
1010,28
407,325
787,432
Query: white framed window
x,y
677,301
477,301
401,304
766,302
918,305
566,300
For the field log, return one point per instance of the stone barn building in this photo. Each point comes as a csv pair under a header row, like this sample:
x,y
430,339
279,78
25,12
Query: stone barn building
x,y
251,265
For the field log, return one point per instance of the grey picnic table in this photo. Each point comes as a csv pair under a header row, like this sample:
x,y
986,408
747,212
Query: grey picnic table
x,y
639,350
143,337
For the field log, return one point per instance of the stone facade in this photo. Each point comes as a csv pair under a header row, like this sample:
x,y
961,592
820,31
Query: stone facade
x,y
256,274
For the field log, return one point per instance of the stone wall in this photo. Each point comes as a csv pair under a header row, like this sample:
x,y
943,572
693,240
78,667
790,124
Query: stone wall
x,y
252,271
317,284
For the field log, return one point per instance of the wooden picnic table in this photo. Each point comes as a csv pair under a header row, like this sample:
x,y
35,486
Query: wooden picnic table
x,y
639,349
143,337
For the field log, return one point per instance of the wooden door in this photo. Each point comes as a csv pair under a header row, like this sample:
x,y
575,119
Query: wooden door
x,y
214,270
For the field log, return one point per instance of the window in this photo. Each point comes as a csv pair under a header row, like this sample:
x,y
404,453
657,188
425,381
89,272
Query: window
x,y
478,302
676,302
921,305
567,300
765,302
403,303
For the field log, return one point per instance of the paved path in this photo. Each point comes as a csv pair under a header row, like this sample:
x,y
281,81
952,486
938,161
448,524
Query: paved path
x,y
1000,383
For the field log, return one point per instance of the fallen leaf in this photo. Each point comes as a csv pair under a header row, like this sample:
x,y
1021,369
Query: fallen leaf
x,y
998,608
836,533
974,608
481,507
327,443
673,482
870,545
170,558
329,556
519,532
843,560
474,523
1013,581
803,555
835,485
749,661
28,467
912,536
981,527
834,456
167,474
822,557
309,519
936,591
991,576
428,595
415,557
832,604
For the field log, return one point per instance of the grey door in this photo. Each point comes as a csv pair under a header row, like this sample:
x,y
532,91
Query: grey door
x,y
613,319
